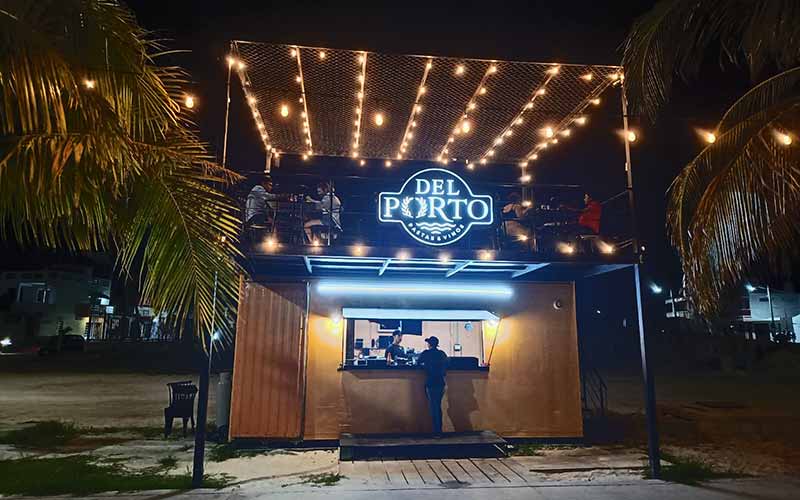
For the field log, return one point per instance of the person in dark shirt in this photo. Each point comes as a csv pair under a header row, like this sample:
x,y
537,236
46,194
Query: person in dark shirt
x,y
395,351
434,362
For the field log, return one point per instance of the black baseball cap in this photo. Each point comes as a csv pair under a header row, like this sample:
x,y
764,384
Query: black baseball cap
x,y
434,341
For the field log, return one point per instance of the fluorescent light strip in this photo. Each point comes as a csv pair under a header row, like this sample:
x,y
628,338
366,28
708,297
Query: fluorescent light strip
x,y
414,289
419,314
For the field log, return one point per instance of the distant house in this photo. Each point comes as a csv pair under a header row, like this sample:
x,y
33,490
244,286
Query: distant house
x,y
47,300
758,309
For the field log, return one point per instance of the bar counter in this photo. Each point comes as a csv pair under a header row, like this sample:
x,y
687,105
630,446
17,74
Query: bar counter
x,y
408,368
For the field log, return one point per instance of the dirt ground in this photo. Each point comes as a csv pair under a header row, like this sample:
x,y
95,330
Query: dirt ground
x,y
90,399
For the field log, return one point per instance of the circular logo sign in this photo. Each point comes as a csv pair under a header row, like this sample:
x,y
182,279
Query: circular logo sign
x,y
436,207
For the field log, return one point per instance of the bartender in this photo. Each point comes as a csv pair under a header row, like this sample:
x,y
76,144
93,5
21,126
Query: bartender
x,y
395,352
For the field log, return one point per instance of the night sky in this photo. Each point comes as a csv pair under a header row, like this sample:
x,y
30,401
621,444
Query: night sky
x,y
568,32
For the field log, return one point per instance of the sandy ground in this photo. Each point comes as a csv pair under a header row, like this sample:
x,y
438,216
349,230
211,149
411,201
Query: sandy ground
x,y
90,399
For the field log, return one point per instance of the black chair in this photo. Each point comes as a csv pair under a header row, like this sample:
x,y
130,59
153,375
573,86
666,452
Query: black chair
x,y
181,405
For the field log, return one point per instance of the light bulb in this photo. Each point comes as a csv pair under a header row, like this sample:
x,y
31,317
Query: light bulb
x,y
595,101
548,132
482,91
388,163
189,102
631,136
251,100
525,178
466,126
534,156
429,65
587,77
284,110
322,54
89,84
378,118
581,120
460,69
785,139
553,70
527,203
362,162
298,79
710,137
293,52
566,132
519,121
471,105
541,92
492,69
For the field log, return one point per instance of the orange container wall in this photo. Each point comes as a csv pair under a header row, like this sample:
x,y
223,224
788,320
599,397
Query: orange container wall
x,y
531,390
268,371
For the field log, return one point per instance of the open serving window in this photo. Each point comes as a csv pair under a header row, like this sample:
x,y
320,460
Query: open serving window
x,y
461,333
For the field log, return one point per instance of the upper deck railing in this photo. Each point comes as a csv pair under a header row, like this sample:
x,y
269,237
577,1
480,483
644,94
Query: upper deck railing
x,y
539,223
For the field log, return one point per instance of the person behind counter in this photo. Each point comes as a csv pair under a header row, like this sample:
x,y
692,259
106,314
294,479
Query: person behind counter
x,y
395,351
434,362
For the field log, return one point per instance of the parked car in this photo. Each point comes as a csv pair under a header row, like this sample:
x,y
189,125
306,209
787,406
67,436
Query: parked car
x,y
69,343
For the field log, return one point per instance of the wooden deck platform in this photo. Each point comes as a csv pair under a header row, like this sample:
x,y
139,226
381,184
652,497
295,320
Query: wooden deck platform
x,y
478,444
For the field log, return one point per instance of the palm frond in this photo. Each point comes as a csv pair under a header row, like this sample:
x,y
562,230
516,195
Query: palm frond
x,y
675,37
114,164
738,201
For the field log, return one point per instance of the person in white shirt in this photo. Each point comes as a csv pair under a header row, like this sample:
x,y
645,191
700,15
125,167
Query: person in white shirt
x,y
331,209
261,203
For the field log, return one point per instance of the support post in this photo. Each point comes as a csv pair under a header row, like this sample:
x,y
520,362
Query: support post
x,y
654,452
198,459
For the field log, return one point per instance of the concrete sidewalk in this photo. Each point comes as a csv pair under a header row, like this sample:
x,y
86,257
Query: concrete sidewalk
x,y
752,489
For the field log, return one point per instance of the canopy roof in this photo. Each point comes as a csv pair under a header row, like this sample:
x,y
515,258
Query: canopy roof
x,y
333,102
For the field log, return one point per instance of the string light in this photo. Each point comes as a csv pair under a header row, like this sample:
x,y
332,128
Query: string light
x,y
587,77
388,163
548,132
784,139
322,54
553,70
362,60
304,114
464,126
460,69
631,136
293,52
362,162
581,120
251,100
710,137
566,132
595,101
378,119
89,84
189,102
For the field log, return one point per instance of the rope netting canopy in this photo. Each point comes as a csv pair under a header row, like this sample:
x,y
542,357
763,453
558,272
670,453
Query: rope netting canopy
x,y
365,105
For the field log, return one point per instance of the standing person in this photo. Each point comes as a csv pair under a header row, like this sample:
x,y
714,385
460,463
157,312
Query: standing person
x,y
331,208
434,362
395,351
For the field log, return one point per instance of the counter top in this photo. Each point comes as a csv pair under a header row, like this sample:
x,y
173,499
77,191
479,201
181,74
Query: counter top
x,y
407,368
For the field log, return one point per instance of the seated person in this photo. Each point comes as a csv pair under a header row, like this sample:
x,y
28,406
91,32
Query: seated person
x,y
261,204
513,213
331,209
588,221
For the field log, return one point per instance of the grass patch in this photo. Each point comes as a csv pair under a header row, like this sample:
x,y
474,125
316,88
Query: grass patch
x,y
324,479
43,435
167,463
690,471
527,450
222,452
78,475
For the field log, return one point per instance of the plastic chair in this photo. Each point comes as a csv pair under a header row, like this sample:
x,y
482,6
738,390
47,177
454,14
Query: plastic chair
x,y
181,405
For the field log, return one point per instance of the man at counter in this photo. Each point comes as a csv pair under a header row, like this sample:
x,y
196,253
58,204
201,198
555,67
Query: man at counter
x,y
395,351
434,362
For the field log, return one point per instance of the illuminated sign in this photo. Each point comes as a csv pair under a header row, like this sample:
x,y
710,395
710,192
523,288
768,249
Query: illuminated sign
x,y
436,207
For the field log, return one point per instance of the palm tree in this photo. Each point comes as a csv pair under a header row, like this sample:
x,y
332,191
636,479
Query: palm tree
x,y
737,203
97,154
